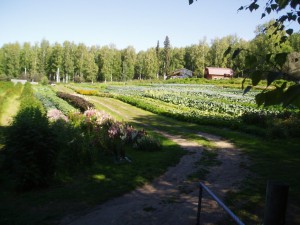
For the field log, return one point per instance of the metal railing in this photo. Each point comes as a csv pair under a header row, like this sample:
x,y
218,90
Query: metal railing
x,y
230,213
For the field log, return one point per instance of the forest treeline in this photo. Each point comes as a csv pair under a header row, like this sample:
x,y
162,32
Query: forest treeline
x,y
78,62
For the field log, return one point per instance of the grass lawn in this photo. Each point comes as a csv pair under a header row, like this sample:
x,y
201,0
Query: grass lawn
x,y
80,192
10,109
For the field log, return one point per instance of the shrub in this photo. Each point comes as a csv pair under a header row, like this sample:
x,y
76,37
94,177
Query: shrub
x,y
55,114
284,127
148,143
76,101
87,92
44,80
31,147
255,118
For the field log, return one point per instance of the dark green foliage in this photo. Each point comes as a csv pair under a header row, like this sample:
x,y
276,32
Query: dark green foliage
x,y
254,118
148,144
285,127
74,146
30,148
76,101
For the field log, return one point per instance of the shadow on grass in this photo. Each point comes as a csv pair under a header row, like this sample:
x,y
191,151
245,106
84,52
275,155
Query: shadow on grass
x,y
106,180
80,192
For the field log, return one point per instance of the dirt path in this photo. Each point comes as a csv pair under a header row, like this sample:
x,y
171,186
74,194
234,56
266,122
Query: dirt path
x,y
172,198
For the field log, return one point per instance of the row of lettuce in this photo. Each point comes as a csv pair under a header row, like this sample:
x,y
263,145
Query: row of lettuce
x,y
206,105
58,133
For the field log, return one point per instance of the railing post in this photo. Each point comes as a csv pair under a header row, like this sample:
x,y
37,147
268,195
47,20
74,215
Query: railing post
x,y
199,204
276,203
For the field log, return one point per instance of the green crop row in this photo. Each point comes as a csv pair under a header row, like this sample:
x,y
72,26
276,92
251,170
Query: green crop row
x,y
50,101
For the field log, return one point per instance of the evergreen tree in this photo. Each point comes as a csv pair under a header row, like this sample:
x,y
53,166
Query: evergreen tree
x,y
167,55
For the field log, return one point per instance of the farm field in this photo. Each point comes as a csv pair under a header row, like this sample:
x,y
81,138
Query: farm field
x,y
265,152
179,109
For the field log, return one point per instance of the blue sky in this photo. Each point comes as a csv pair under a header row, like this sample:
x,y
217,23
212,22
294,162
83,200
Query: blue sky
x,y
139,23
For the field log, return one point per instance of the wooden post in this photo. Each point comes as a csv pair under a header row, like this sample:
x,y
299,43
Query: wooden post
x,y
276,203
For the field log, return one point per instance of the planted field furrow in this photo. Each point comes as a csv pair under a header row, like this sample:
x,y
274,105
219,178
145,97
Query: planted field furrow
x,y
50,101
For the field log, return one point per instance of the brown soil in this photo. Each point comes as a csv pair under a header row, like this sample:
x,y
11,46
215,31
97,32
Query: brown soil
x,y
172,198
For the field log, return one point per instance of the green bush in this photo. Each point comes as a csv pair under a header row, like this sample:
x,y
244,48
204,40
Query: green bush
x,y
30,149
44,80
255,118
76,101
285,127
148,144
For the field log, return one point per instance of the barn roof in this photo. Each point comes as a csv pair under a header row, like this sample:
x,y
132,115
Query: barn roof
x,y
219,71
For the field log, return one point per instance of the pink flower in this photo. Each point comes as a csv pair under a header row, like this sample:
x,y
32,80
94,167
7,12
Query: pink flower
x,y
55,114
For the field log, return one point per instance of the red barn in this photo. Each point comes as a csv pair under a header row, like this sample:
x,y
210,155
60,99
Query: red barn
x,y
218,73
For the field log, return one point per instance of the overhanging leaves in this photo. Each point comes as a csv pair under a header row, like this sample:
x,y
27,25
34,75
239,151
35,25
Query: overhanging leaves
x,y
247,89
256,77
260,99
289,31
243,82
282,3
236,53
253,6
269,98
228,50
292,96
251,61
272,76
280,58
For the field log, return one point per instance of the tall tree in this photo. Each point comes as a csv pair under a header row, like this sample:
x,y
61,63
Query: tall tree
x,y
294,40
90,68
197,57
268,43
68,61
26,60
80,51
140,65
12,60
2,75
44,54
218,47
128,62
160,64
177,59
150,64
109,63
167,55
56,60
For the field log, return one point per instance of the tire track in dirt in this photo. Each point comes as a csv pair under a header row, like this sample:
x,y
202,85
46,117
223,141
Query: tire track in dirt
x,y
172,198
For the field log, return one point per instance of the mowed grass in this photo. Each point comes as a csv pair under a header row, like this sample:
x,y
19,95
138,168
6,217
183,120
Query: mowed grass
x,y
10,109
